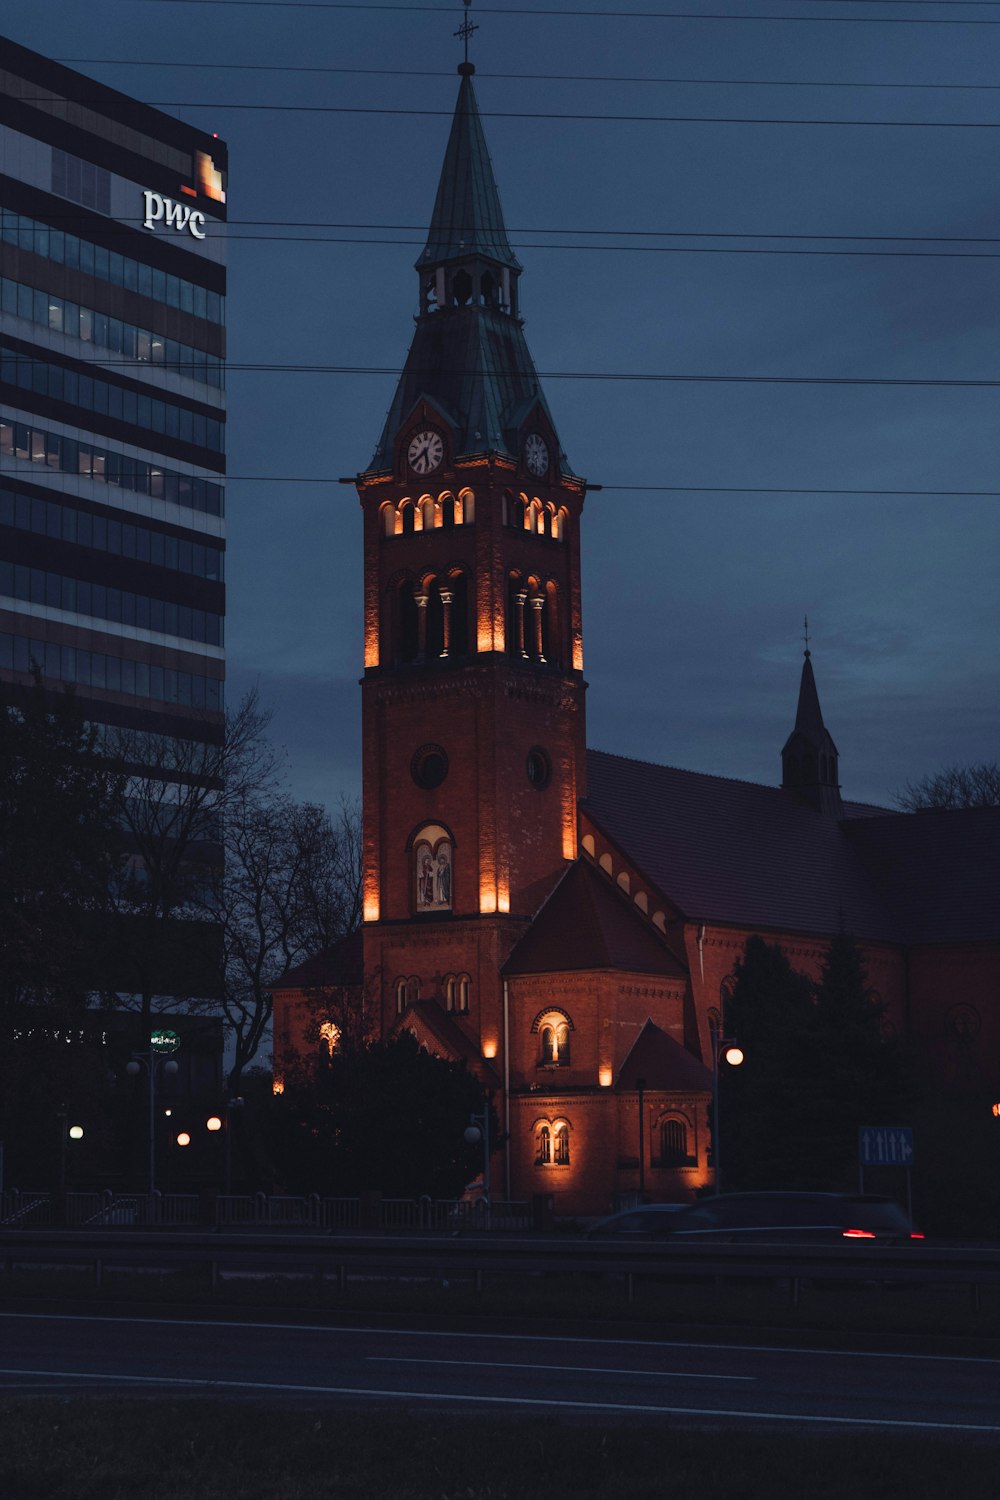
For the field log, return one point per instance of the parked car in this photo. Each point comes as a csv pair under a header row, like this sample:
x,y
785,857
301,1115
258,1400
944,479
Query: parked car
x,y
791,1219
649,1221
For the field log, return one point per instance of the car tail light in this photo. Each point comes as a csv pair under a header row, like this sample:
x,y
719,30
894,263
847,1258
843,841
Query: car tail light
x,y
916,1235
859,1234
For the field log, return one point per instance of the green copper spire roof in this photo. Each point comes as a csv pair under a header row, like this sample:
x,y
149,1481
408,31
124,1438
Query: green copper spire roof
x,y
467,218
469,357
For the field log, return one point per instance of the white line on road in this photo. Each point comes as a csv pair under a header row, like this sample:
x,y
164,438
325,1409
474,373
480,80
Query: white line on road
x,y
493,1364
713,1413
517,1338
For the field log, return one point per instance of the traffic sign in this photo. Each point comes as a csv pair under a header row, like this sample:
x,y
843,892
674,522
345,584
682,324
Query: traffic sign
x,y
885,1145
164,1042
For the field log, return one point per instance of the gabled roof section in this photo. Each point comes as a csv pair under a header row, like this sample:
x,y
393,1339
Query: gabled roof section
x,y
662,1064
588,924
341,966
439,1033
808,714
467,218
736,852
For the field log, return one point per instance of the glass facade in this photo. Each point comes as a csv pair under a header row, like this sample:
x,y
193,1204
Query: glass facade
x,y
112,406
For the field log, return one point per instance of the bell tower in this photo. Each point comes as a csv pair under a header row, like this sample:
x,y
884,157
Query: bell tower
x,y
473,693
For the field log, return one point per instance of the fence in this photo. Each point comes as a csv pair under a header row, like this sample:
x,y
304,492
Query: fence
x,y
44,1210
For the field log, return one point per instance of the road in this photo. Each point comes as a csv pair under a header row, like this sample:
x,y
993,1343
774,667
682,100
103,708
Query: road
x,y
313,1365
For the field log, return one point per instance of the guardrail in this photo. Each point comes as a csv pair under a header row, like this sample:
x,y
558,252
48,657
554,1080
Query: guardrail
x,y
349,1255
25,1210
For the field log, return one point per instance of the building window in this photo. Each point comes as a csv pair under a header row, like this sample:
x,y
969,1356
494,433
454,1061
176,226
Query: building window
x,y
456,993
329,1035
543,1146
552,1143
407,992
553,1029
560,1145
673,1143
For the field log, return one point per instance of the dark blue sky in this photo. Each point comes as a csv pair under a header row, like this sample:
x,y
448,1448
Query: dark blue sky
x,y
693,600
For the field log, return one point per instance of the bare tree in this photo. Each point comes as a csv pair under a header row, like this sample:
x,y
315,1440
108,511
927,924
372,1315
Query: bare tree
x,y
292,888
956,786
176,795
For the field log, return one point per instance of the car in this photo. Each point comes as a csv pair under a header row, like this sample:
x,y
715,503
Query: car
x,y
792,1218
648,1221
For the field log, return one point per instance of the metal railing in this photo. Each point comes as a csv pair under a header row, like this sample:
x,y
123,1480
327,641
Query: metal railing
x,y
96,1210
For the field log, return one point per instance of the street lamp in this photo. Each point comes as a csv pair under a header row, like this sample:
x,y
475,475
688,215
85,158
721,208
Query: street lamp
x,y
478,1129
161,1044
724,1050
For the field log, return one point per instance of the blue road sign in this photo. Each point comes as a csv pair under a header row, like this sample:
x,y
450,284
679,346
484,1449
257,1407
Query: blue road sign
x,y
885,1145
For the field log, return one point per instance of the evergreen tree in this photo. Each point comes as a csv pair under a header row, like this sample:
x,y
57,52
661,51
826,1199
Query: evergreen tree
x,y
387,1116
765,1127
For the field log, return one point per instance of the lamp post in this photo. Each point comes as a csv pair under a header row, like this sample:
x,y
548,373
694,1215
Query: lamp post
x,y
478,1129
724,1049
161,1045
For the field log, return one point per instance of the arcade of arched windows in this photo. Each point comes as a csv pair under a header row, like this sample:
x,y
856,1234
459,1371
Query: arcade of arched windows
x,y
644,900
552,1143
534,628
456,993
553,1029
540,518
427,513
429,617
470,285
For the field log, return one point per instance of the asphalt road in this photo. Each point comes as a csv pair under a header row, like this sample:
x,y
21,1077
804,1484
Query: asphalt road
x,y
312,1365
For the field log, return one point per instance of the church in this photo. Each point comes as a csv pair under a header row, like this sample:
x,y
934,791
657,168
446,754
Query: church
x,y
566,920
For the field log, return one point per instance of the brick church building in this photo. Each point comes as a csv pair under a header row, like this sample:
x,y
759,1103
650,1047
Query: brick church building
x,y
568,920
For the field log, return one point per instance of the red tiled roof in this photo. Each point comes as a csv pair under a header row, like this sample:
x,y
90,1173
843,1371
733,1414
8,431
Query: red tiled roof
x,y
339,966
736,852
755,857
587,923
938,870
662,1063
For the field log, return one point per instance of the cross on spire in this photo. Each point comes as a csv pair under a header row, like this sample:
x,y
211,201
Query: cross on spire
x,y
466,29
806,628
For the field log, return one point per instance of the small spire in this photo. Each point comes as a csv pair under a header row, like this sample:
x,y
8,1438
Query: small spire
x,y
806,625
464,32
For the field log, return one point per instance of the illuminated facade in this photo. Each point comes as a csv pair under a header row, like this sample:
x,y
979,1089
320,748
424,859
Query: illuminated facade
x,y
568,921
112,408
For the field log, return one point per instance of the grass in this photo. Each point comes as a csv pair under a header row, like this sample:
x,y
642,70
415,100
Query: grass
x,y
201,1450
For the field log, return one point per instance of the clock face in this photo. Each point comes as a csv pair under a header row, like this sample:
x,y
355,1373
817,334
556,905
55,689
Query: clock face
x,y
425,451
536,454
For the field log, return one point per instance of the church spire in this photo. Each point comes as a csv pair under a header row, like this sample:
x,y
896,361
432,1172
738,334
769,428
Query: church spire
x,y
469,369
809,759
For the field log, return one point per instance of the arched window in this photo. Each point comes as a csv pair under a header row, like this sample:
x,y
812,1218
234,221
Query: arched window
x,y
543,1146
560,1144
553,1029
388,519
456,993
329,1035
432,869
673,1143
408,515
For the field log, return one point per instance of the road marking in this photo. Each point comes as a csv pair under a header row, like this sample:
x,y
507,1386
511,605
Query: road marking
x,y
492,1364
715,1413
494,1338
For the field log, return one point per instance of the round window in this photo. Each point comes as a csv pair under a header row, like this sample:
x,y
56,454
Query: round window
x,y
429,767
539,768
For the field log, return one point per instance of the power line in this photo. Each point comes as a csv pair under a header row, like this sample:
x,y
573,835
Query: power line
x,y
780,83
630,15
519,114
319,239
687,489
666,234
623,376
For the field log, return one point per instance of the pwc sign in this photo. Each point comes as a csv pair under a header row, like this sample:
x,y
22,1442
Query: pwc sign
x,y
176,216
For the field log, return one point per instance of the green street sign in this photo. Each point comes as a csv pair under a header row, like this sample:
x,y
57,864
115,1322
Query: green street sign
x,y
164,1042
